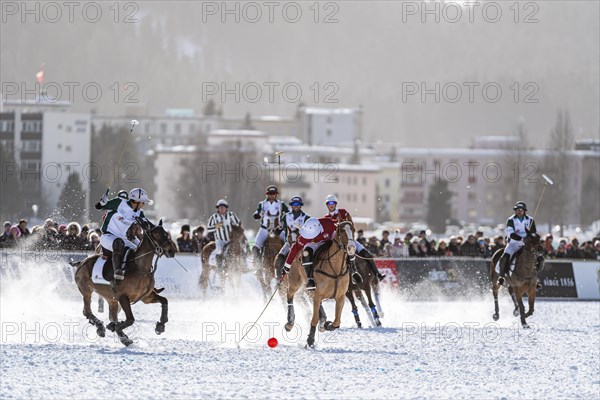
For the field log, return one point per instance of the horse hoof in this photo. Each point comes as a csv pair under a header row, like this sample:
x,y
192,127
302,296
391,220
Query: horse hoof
x,y
516,312
377,322
525,326
160,328
288,327
329,326
126,341
310,342
359,324
111,327
101,331
496,317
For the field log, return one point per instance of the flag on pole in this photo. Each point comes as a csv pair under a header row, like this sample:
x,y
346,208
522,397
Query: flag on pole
x,y
39,77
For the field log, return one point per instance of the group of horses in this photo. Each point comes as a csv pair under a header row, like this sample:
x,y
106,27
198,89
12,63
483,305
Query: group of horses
x,y
331,275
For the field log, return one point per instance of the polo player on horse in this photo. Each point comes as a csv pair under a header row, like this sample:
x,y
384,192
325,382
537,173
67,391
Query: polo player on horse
x,y
219,230
269,211
517,227
292,222
314,233
120,214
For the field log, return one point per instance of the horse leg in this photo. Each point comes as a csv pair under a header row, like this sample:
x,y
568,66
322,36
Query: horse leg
x,y
358,294
496,315
113,312
86,291
291,315
519,296
260,275
204,275
100,304
339,306
314,321
515,302
375,288
350,297
119,326
154,297
322,317
372,306
531,298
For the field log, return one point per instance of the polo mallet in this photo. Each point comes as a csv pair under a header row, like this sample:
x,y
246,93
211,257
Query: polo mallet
x,y
278,154
547,181
134,122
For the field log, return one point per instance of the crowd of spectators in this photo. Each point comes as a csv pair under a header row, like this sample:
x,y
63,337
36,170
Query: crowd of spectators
x,y
475,245
72,236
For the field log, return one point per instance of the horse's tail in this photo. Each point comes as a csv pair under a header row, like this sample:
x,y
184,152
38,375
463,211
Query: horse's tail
x,y
74,263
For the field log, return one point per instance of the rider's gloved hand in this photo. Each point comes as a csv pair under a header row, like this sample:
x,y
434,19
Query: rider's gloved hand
x,y
256,215
286,268
514,236
104,199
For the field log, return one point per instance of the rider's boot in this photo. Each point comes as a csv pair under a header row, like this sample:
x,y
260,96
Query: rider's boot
x,y
504,267
118,254
368,257
279,261
307,263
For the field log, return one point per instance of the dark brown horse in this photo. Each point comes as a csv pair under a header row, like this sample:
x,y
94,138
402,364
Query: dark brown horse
x,y
369,285
522,280
265,272
232,263
138,283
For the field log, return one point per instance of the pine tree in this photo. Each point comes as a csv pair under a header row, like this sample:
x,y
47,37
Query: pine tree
x,y
439,208
71,203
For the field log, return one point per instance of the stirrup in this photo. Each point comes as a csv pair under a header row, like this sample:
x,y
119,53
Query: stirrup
x,y
357,278
119,274
310,284
501,281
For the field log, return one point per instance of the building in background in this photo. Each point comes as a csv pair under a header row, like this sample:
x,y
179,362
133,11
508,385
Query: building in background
x,y
48,143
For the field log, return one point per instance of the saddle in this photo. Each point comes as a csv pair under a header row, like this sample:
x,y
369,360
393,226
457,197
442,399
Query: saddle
x,y
108,271
319,254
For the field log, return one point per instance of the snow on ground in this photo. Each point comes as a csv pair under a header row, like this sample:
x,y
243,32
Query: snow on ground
x,y
438,349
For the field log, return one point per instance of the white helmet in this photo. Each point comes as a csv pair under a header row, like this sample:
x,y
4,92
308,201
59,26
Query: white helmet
x,y
222,202
331,197
140,195
311,228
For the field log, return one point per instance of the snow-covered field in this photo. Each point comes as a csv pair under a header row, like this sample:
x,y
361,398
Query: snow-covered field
x,y
437,349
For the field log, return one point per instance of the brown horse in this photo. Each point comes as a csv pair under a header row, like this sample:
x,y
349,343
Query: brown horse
x,y
522,280
369,282
232,262
138,283
332,278
265,272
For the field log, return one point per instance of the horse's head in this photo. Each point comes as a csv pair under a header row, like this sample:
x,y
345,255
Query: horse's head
x,y
532,241
159,238
345,237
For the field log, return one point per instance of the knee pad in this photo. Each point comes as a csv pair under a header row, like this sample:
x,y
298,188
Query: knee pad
x,y
307,256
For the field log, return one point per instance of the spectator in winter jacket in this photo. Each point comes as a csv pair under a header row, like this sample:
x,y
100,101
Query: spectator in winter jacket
x,y
184,241
471,248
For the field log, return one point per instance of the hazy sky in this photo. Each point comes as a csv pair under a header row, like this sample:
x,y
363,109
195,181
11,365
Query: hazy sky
x,y
542,56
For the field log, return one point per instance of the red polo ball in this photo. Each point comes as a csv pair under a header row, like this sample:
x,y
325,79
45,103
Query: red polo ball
x,y
272,343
